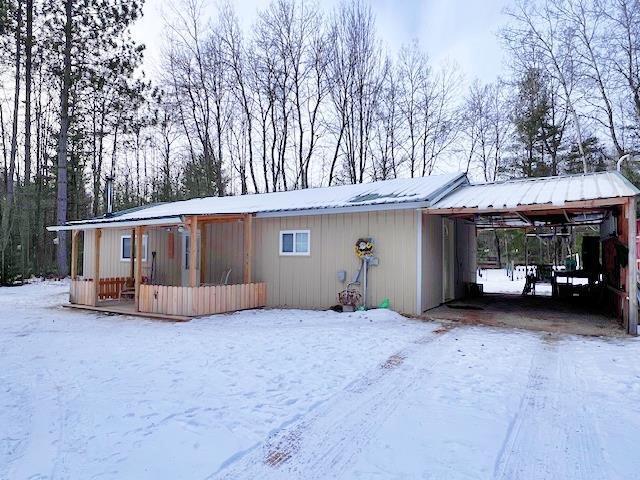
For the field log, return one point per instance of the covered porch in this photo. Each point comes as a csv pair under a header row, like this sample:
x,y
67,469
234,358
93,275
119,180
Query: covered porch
x,y
154,269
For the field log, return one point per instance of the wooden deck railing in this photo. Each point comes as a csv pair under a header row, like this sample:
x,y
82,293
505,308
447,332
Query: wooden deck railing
x,y
194,301
82,292
111,287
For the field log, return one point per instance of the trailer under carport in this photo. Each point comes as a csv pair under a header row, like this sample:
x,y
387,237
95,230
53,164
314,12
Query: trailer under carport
x,y
606,199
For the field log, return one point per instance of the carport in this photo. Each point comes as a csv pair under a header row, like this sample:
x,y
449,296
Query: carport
x,y
606,200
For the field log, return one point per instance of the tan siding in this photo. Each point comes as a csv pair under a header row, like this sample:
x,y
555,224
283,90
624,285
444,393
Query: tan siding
x,y
167,270
293,281
466,246
224,251
431,261
311,281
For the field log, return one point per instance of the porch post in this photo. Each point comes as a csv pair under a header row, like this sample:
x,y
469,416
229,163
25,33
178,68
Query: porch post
x,y
632,285
132,244
138,269
203,252
247,223
96,263
74,254
193,250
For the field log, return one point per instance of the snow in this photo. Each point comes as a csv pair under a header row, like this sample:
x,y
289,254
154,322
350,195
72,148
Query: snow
x,y
303,394
395,191
497,280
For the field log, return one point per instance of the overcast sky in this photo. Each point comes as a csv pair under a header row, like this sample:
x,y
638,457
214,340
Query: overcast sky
x,y
460,30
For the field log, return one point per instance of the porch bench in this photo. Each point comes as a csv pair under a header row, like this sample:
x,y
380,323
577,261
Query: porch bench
x,y
128,289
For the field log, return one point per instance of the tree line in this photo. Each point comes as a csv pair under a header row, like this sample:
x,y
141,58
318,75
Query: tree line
x,y
305,97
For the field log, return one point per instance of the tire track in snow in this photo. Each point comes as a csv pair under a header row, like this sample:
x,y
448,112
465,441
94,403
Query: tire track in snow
x,y
589,460
552,435
518,456
323,444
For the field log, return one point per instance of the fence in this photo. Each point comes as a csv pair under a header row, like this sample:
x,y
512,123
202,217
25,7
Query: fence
x,y
82,292
195,301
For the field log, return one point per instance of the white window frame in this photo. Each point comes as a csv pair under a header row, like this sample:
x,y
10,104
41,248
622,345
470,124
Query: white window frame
x,y
294,253
145,244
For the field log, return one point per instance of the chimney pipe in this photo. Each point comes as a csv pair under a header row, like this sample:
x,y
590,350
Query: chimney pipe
x,y
109,180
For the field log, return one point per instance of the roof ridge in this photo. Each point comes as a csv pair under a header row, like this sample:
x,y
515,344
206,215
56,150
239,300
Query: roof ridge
x,y
548,177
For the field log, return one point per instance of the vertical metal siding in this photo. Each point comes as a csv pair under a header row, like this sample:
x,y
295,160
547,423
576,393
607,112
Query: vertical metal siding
x,y
465,255
167,270
224,251
432,256
311,281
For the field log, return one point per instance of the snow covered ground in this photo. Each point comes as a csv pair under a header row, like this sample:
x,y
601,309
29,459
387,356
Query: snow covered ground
x,y
294,394
497,281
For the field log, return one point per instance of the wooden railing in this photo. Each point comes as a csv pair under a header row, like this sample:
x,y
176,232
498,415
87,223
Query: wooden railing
x,y
82,292
110,288
188,301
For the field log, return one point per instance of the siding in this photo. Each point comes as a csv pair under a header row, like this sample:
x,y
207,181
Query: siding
x,y
224,251
167,270
466,246
433,255
311,281
293,281
432,268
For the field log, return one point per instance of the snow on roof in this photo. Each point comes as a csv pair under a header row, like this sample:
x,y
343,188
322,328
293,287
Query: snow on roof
x,y
423,190
554,191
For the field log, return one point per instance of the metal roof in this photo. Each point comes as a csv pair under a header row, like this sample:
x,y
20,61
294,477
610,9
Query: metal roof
x,y
553,191
397,193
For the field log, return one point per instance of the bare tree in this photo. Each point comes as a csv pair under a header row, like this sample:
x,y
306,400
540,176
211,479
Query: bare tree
x,y
441,121
357,70
487,122
539,29
389,124
414,74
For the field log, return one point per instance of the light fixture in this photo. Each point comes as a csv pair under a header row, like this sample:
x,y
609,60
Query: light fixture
x,y
180,229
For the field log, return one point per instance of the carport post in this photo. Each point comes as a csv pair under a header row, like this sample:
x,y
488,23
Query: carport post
x,y
632,281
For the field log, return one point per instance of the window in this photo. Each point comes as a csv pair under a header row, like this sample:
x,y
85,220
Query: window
x,y
295,242
125,248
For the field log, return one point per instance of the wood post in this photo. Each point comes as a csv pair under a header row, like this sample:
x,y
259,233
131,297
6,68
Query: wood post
x,y
132,249
632,267
203,253
193,251
138,270
96,268
248,248
74,254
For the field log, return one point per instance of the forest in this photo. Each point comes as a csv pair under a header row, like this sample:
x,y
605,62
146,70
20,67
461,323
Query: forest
x,y
307,97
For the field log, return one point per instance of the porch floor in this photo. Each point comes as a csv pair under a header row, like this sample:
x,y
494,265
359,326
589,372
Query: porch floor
x,y
528,312
119,307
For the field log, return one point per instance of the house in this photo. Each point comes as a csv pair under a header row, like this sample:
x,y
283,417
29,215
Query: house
x,y
297,248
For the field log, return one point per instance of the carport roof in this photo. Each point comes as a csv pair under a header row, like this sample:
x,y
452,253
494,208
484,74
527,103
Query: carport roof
x,y
554,192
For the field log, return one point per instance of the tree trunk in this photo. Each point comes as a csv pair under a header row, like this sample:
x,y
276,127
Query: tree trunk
x,y
27,94
16,105
63,138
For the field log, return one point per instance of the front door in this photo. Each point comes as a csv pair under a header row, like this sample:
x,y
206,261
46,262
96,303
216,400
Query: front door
x,y
186,242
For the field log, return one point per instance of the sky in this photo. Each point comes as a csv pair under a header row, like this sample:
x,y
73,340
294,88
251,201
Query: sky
x,y
462,31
